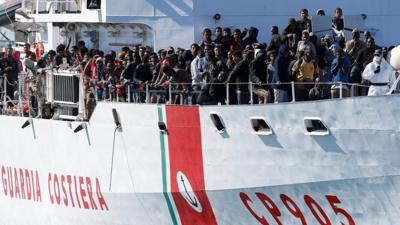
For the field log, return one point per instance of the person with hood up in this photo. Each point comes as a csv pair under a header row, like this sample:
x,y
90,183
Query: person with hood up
x,y
252,36
380,74
281,75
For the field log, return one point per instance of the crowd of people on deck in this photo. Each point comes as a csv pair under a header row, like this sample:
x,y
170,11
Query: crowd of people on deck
x,y
253,71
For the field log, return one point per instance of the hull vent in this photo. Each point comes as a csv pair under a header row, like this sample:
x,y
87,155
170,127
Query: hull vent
x,y
66,89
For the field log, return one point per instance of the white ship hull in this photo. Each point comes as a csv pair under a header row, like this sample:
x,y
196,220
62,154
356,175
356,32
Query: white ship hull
x,y
192,174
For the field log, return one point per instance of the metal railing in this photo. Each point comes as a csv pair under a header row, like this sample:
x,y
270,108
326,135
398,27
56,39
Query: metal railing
x,y
19,99
66,88
55,87
53,6
296,91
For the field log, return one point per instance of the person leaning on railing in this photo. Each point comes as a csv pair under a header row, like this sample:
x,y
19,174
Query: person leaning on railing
x,y
258,76
214,92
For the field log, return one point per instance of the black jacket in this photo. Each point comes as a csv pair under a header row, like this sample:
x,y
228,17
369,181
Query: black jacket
x,y
258,70
240,74
282,70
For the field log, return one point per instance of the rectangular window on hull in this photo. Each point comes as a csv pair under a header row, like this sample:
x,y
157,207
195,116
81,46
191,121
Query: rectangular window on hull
x,y
315,126
260,126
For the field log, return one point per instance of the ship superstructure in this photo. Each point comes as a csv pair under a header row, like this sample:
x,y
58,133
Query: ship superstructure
x,y
109,24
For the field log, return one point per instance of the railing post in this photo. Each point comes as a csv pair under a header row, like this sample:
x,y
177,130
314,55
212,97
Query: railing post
x,y
227,93
5,95
341,90
293,91
170,93
251,93
81,103
20,80
147,93
129,93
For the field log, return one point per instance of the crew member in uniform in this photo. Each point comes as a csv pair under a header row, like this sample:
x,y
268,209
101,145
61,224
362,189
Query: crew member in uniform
x,y
380,74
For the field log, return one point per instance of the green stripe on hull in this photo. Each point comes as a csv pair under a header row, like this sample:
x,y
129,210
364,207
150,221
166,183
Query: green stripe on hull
x,y
164,170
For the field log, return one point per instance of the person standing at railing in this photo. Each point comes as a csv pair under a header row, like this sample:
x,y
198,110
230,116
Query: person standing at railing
x,y
258,76
340,70
281,75
214,92
196,68
240,76
9,65
380,74
177,76
304,70
142,76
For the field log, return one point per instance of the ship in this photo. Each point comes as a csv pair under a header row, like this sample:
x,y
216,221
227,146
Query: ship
x,y
322,162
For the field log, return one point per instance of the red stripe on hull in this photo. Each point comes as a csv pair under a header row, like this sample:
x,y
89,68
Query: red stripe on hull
x,y
186,166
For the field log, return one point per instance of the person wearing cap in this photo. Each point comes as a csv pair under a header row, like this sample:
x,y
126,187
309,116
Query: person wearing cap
x,y
380,74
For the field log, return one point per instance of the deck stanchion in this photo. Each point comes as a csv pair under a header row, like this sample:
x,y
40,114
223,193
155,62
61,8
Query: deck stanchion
x,y
170,93
227,93
5,95
147,94
293,91
251,93
129,93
